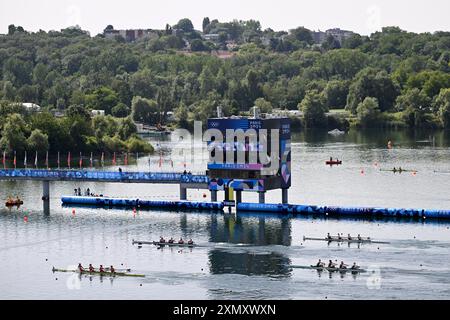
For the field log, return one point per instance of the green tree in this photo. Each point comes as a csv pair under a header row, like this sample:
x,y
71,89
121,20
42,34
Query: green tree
x,y
55,129
336,93
181,116
144,110
185,25
413,98
302,34
263,105
314,109
137,145
120,110
442,104
103,98
13,134
38,141
331,43
205,23
127,128
198,45
368,111
371,82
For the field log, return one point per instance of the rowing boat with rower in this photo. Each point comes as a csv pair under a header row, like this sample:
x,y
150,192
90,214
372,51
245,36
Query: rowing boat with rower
x,y
98,273
400,170
353,240
162,244
358,270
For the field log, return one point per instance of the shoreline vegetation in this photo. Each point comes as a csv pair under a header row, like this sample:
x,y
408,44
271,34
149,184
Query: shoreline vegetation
x,y
54,85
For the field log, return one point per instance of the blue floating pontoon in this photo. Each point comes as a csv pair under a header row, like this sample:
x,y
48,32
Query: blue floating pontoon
x,y
122,202
367,212
344,211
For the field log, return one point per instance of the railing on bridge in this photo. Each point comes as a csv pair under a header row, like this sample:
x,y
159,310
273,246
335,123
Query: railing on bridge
x,y
142,177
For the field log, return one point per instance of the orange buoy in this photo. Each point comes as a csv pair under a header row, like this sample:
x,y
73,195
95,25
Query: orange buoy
x,y
25,219
362,171
73,212
204,195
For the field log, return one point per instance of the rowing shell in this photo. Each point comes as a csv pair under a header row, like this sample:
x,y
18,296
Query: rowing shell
x,y
331,269
345,240
398,170
161,244
121,274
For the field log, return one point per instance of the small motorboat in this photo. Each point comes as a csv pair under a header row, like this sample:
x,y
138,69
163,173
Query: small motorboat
x,y
13,202
333,162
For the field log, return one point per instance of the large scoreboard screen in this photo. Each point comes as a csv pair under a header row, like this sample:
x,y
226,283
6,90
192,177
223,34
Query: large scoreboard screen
x,y
249,148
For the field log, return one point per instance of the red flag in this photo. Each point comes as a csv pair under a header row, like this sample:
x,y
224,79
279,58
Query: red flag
x,y
126,158
114,159
15,163
81,160
68,160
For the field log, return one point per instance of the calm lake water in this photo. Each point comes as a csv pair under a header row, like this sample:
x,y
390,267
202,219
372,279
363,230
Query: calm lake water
x,y
248,256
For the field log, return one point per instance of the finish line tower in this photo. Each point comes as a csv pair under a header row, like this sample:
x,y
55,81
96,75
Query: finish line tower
x,y
250,154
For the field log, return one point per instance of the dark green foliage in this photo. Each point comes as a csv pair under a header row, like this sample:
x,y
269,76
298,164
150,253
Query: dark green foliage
x,y
75,73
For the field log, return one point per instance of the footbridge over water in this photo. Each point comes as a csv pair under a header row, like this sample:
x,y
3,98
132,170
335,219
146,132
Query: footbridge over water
x,y
185,181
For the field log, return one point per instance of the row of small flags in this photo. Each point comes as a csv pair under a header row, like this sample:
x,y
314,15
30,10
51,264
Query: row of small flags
x,y
69,160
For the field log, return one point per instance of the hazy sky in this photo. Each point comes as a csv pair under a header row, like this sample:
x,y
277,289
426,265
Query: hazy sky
x,y
363,16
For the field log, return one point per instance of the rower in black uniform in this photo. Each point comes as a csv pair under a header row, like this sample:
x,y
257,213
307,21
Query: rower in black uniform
x,y
331,264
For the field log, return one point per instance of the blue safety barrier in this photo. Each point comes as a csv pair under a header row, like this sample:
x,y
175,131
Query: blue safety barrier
x,y
138,203
343,211
91,175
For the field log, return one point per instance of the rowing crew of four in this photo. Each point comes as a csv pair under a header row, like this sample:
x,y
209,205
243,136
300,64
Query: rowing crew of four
x,y
172,241
349,237
91,268
332,265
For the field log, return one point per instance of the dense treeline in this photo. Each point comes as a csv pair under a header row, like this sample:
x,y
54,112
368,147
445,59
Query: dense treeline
x,y
22,130
390,77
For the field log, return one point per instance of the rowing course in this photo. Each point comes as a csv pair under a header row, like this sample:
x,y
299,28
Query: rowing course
x,y
344,211
137,203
